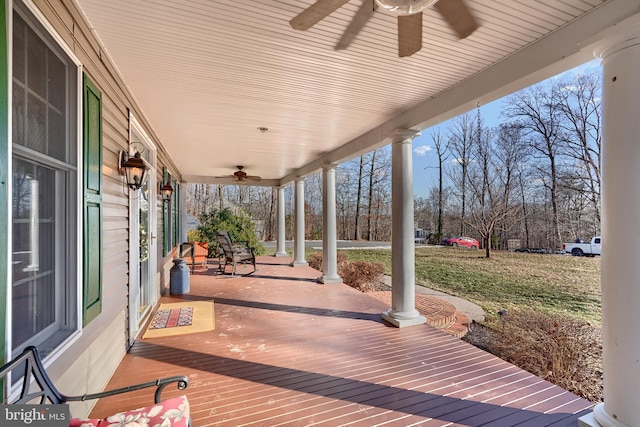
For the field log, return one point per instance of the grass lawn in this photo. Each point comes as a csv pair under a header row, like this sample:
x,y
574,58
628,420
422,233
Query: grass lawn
x,y
546,283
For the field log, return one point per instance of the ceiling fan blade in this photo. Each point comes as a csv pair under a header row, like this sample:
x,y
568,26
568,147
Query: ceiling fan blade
x,y
357,23
315,13
409,34
458,16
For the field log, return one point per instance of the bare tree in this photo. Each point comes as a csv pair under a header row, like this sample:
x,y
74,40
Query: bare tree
x,y
344,201
579,102
199,199
370,197
313,206
525,216
536,109
424,213
460,144
491,187
220,196
512,155
271,223
356,226
577,218
379,189
442,151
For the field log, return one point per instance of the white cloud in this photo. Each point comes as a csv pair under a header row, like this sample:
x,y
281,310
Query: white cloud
x,y
459,161
422,150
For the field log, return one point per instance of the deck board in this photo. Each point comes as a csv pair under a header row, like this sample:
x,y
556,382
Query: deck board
x,y
288,351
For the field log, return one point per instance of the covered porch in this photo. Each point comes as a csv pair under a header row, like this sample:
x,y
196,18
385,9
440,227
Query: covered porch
x,y
287,350
200,87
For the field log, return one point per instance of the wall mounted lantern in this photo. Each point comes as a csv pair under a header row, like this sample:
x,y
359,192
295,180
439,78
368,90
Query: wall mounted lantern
x,y
134,168
166,190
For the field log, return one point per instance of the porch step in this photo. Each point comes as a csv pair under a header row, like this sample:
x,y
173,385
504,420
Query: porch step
x,y
440,314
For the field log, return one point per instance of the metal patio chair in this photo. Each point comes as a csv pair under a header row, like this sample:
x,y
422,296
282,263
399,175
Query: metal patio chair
x,y
235,252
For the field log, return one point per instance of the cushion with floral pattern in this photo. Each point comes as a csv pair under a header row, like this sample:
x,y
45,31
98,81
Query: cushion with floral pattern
x,y
170,412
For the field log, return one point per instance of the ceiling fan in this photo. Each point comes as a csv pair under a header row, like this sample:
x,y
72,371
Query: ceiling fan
x,y
409,13
241,176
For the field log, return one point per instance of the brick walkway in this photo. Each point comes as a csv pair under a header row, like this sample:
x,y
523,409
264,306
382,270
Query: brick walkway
x,y
439,313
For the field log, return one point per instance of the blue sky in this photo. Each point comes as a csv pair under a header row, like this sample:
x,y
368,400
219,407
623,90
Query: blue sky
x,y
425,160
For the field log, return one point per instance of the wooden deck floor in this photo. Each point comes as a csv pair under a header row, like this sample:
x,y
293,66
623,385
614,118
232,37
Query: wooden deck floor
x,y
289,351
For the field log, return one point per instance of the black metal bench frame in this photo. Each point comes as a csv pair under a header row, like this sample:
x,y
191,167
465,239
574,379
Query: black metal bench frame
x,y
29,365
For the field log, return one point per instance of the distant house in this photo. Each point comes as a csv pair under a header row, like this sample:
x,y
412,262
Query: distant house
x,y
190,222
421,236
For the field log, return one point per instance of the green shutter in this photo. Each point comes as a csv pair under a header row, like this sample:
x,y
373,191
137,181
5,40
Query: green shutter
x,y
4,172
92,277
165,218
176,212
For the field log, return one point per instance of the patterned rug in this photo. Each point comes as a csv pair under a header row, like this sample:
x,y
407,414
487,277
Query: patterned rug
x,y
188,317
172,317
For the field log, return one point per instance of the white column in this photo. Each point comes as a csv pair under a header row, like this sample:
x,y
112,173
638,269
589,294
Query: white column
x,y
403,281
329,240
620,269
298,248
280,247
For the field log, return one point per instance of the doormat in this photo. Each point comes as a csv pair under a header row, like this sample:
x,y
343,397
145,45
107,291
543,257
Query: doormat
x,y
180,318
171,318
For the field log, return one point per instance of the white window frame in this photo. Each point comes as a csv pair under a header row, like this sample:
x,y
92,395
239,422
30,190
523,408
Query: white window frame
x,y
55,38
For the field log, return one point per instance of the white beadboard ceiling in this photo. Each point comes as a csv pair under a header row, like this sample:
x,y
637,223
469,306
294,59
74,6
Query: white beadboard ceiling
x,y
208,73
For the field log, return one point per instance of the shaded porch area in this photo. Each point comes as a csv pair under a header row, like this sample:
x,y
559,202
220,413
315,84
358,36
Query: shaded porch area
x,y
289,351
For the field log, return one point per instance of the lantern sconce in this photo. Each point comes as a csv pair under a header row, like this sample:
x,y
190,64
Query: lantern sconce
x,y
166,191
133,168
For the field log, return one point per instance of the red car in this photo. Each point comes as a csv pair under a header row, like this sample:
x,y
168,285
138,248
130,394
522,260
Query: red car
x,y
467,242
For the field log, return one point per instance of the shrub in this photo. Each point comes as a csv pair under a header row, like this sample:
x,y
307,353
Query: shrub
x,y
240,226
194,236
315,259
360,275
561,349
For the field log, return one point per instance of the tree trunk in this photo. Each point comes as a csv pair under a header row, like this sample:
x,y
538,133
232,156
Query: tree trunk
x,y
272,214
487,247
440,201
370,198
524,214
356,233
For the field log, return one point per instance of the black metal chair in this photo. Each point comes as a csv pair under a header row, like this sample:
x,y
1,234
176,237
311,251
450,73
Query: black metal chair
x,y
235,252
27,371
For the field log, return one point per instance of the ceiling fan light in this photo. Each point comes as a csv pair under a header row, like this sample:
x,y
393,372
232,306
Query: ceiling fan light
x,y
404,7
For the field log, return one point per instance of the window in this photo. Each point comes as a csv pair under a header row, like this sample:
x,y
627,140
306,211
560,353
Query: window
x,y
171,216
45,188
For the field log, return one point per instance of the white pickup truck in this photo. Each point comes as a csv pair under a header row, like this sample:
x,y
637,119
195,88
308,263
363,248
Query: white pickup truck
x,y
592,248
